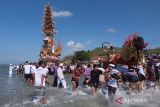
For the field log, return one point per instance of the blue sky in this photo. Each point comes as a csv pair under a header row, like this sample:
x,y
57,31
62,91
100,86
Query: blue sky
x,y
80,24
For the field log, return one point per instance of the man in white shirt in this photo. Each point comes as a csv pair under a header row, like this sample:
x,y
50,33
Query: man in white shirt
x,y
141,70
112,83
17,69
61,76
46,77
10,70
39,78
27,71
33,69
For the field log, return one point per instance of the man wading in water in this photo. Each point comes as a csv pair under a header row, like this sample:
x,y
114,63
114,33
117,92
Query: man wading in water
x,y
39,78
95,73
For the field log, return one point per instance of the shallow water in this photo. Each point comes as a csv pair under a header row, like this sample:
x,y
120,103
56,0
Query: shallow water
x,y
14,92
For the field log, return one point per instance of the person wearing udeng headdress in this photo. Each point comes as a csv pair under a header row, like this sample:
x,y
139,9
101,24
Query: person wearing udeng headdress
x,y
61,76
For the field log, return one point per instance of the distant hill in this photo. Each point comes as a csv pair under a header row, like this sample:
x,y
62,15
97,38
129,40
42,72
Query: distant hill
x,y
99,52
152,51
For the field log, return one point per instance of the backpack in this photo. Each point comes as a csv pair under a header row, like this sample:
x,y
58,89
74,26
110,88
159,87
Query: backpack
x,y
133,78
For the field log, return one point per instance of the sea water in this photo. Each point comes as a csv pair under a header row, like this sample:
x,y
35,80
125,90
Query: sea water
x,y
14,92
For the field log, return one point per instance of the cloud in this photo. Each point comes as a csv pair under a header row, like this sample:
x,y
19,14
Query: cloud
x,y
62,13
70,44
88,42
112,30
68,53
75,46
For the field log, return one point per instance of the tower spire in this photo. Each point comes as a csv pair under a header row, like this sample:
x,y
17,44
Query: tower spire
x,y
48,51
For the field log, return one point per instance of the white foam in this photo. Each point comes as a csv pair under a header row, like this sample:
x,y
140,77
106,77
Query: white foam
x,y
7,105
27,102
14,104
69,101
52,100
36,101
87,87
80,92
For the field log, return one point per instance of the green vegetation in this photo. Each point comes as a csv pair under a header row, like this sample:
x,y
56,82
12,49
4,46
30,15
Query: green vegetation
x,y
82,56
152,51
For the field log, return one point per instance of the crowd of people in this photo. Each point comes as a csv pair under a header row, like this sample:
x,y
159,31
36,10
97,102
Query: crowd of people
x,y
97,76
